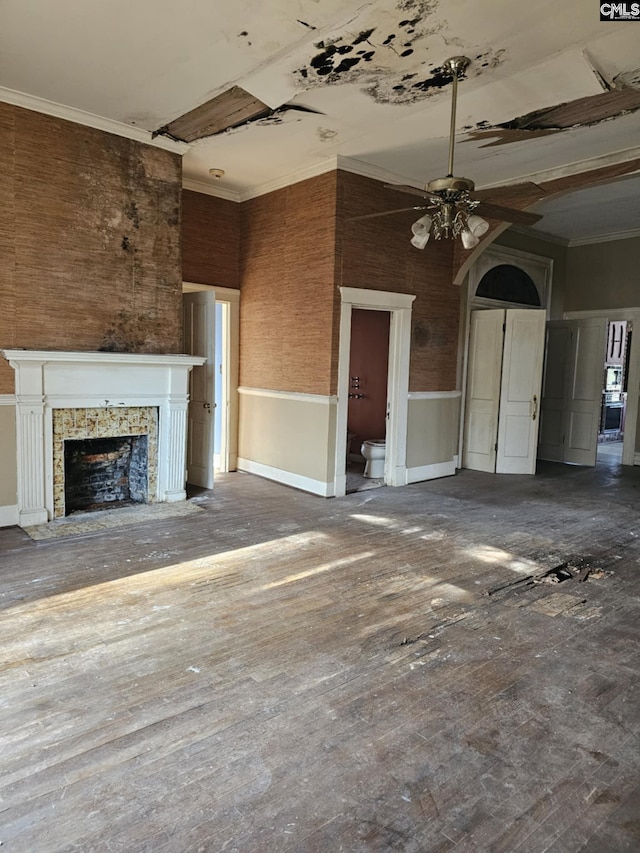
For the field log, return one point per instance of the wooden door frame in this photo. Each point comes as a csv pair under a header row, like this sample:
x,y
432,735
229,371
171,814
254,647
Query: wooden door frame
x,y
231,362
629,455
399,306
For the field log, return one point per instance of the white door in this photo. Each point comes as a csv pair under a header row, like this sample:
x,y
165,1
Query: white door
x,y
199,339
584,396
520,391
554,391
572,399
483,390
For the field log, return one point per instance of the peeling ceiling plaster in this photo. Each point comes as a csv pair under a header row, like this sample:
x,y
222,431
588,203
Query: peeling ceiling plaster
x,y
342,81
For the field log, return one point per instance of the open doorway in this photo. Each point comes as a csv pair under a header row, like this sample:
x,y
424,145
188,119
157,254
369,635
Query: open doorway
x,y
397,306
367,399
582,347
212,327
614,392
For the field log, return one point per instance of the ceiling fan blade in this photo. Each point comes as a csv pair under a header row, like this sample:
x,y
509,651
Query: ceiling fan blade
x,y
405,188
492,192
386,213
507,214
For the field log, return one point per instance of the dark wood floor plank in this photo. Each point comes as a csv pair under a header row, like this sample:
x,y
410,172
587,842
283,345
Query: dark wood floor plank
x,y
286,673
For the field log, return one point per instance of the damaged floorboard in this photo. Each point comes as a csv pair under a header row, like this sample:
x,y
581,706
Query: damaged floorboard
x,y
385,671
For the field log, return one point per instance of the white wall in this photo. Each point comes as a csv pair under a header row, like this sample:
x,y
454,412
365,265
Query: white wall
x,y
288,437
432,435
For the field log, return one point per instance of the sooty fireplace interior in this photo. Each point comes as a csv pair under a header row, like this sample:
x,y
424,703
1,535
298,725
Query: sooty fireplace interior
x,y
105,472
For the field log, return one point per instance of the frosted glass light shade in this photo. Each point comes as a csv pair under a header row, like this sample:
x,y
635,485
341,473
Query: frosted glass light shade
x,y
477,225
421,226
420,240
469,240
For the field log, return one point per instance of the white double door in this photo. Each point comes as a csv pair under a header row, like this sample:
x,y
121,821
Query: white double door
x,y
504,379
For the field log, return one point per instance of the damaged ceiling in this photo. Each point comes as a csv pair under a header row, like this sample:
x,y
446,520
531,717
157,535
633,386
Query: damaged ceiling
x,y
271,93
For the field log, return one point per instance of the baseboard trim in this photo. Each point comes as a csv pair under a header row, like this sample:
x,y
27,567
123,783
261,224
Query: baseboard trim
x,y
431,472
287,478
636,459
8,516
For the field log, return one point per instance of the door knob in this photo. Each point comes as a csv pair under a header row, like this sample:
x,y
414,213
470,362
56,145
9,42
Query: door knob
x,y
534,407
207,406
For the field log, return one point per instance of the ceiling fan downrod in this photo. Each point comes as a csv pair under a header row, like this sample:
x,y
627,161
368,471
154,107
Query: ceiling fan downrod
x,y
456,65
450,187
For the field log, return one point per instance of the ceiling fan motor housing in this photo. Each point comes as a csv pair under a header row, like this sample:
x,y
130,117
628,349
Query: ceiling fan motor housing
x,y
456,65
450,184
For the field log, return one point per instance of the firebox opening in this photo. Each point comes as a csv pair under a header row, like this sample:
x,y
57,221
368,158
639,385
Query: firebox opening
x,y
101,473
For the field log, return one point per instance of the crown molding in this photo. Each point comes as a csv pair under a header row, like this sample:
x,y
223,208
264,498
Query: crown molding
x,y
605,238
328,165
570,243
216,190
290,178
346,164
537,234
577,168
108,125
369,170
248,193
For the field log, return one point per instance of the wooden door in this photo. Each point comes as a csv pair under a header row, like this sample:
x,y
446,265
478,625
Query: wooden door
x,y
554,391
584,390
199,339
520,391
572,391
483,390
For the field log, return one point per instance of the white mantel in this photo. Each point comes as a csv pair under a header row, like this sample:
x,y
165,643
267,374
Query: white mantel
x,y
47,380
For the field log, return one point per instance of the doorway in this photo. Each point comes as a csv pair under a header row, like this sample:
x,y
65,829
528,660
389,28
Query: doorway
x,y
212,328
504,376
367,398
398,308
614,392
574,402
508,298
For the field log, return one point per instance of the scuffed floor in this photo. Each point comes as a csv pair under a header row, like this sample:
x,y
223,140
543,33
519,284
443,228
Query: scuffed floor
x,y
385,671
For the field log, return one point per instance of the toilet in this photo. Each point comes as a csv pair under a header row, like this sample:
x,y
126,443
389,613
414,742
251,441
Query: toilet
x,y
373,451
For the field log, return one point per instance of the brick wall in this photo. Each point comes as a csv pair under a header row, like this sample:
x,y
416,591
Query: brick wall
x,y
287,270
89,240
376,254
210,240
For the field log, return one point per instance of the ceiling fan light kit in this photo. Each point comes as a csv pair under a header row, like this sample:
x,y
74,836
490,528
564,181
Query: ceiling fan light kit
x,y
451,199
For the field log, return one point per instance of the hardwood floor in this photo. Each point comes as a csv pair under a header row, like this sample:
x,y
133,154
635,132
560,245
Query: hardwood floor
x,y
283,672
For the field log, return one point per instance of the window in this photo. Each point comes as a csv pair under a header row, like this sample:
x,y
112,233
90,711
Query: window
x,y
507,283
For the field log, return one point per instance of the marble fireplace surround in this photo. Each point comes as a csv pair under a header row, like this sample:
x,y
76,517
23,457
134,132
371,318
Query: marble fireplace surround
x,y
46,381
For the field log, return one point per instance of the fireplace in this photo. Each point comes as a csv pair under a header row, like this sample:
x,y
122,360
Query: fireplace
x,y
102,473
67,397
73,429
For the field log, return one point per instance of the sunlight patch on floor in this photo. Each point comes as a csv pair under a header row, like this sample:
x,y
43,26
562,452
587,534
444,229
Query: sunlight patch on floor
x,y
324,567
498,557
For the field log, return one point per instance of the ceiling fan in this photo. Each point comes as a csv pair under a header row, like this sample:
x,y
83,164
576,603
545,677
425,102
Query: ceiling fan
x,y
452,209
